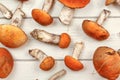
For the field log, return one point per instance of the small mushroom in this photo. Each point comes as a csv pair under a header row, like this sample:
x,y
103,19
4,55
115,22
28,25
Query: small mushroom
x,y
72,62
108,2
58,74
6,63
5,11
10,34
62,40
67,12
95,29
46,62
41,15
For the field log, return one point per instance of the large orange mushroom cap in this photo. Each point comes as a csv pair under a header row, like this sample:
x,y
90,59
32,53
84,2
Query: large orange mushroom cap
x,y
6,63
72,63
75,3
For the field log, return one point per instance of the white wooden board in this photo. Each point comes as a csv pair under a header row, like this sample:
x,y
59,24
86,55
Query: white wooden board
x,y
25,66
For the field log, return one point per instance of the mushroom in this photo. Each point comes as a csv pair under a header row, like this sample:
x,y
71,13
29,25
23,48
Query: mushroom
x,y
94,29
6,63
72,62
41,15
18,15
62,40
5,11
67,12
10,34
58,74
108,2
46,62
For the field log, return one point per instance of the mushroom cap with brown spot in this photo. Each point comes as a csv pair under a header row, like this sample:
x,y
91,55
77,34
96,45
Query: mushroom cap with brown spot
x,y
12,36
64,40
47,63
94,30
75,3
42,17
6,63
72,63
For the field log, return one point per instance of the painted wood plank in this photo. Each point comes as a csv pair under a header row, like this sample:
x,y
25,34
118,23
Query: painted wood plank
x,y
76,33
29,70
91,10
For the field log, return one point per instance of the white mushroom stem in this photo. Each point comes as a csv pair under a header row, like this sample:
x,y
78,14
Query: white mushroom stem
x,y
18,16
118,2
66,15
103,16
6,13
58,75
48,4
37,54
44,36
77,50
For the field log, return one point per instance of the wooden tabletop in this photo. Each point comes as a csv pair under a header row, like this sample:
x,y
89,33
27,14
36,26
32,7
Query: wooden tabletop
x,y
27,68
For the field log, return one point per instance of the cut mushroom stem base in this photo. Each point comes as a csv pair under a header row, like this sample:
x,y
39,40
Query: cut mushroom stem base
x,y
58,75
77,50
103,16
66,15
6,13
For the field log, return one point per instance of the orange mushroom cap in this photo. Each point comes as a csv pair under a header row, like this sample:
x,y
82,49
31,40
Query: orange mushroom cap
x,y
72,63
75,3
41,17
94,30
12,36
47,63
6,63
64,40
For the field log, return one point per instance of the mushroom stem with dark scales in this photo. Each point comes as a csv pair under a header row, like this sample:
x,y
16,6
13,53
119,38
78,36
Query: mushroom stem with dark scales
x,y
67,12
72,61
18,16
58,74
108,2
95,29
5,11
62,40
41,15
46,62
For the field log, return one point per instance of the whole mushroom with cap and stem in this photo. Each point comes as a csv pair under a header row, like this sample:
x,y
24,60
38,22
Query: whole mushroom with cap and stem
x,y
46,62
67,12
108,2
10,34
6,63
72,62
58,74
95,29
62,40
5,11
107,62
41,15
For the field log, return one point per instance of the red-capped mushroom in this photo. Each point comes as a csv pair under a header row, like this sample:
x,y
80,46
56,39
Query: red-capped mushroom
x,y
68,10
10,34
5,11
46,62
95,29
58,74
72,62
41,15
62,40
108,2
6,63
